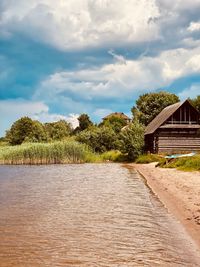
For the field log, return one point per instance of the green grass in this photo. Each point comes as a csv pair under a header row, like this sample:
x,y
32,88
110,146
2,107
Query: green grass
x,y
148,158
185,163
47,153
114,156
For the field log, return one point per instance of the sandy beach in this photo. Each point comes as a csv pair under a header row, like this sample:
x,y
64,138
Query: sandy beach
x,y
179,191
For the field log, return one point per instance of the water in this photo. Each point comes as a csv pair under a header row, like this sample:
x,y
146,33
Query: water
x,y
86,215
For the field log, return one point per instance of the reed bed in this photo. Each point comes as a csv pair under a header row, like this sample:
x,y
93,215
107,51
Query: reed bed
x,y
47,153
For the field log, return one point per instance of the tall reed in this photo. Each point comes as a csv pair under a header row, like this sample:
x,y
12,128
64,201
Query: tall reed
x,y
47,153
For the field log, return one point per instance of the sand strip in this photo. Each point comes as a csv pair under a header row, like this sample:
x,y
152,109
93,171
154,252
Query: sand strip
x,y
180,193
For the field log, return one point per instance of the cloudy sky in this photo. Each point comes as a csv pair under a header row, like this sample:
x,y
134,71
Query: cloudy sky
x,y
65,57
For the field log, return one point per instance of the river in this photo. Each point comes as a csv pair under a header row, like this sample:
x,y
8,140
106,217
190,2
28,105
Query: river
x,y
86,215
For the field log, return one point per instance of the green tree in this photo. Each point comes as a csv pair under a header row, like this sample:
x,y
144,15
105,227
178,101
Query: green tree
x,y
58,130
100,139
196,102
84,122
149,105
132,140
114,122
26,130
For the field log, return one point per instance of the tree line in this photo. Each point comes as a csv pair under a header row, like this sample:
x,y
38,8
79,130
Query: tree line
x,y
113,133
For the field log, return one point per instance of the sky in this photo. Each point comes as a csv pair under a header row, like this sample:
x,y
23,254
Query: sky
x,y
61,58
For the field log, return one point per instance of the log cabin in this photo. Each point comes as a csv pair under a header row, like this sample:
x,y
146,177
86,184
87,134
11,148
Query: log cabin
x,y
176,129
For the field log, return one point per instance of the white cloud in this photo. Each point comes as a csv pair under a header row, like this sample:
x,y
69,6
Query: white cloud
x,y
76,24
47,117
194,26
116,81
11,110
121,59
19,108
102,112
191,92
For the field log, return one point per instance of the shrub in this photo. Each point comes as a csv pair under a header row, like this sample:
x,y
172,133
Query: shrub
x,y
26,130
58,130
100,139
132,140
113,155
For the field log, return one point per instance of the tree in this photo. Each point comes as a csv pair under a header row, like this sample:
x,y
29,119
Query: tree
x,y
196,102
116,123
84,122
100,139
149,105
26,130
58,130
132,140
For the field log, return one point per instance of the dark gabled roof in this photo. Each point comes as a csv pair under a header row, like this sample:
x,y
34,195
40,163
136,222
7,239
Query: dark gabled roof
x,y
162,117
117,114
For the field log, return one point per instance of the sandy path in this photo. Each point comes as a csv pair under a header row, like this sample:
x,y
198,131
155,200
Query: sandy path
x,y
180,193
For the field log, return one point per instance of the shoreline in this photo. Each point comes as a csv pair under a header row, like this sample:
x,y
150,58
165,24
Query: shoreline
x,y
179,192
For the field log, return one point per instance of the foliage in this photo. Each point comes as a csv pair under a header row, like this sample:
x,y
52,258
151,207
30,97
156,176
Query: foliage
x,y
58,130
116,123
148,158
132,140
84,122
196,102
47,153
100,139
149,105
26,130
3,141
114,156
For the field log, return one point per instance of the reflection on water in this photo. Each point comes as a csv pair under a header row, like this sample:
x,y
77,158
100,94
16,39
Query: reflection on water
x,y
87,216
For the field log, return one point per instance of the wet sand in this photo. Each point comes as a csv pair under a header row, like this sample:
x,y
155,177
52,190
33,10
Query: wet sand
x,y
180,193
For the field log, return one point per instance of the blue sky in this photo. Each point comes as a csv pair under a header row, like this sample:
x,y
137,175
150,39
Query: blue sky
x,y
61,58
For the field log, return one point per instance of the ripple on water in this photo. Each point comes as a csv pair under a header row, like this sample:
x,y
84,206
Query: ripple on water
x,y
86,215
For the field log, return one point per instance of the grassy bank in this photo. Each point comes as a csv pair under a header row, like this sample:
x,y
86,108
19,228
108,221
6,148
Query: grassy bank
x,y
185,163
148,158
47,153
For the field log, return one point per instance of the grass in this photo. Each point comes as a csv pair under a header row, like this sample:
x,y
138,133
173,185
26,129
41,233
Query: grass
x,y
114,156
148,158
47,153
184,164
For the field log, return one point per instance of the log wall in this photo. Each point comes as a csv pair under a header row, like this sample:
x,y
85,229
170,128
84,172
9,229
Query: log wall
x,y
177,143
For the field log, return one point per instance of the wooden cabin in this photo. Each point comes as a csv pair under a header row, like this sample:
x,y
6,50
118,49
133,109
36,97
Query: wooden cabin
x,y
175,129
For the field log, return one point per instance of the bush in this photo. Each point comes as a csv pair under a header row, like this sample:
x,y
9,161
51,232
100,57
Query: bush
x,y
26,130
58,130
132,140
114,122
114,156
100,139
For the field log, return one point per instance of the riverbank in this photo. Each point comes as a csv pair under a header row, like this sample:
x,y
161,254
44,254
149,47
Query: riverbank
x,y
179,191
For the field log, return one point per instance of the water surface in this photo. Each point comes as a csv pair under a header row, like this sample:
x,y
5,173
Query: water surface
x,y
86,215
